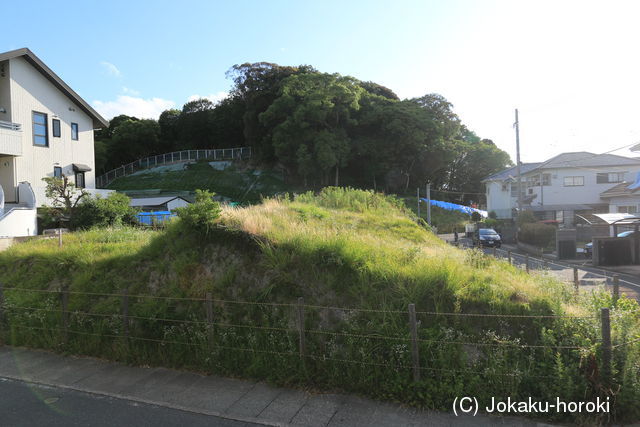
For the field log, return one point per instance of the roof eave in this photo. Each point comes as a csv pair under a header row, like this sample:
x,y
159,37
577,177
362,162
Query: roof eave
x,y
98,120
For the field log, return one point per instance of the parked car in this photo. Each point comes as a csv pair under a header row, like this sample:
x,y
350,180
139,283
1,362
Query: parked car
x,y
588,248
487,237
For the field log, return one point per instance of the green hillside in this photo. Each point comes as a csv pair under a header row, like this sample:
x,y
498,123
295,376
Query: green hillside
x,y
244,185
342,248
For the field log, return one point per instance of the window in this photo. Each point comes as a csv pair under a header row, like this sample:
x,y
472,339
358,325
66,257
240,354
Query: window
x,y
534,181
55,128
573,181
40,134
609,177
627,209
74,131
57,172
80,179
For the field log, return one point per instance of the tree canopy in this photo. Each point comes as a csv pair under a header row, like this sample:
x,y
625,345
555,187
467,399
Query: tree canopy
x,y
321,129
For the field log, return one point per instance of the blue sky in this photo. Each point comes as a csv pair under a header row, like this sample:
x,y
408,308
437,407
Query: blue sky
x,y
570,67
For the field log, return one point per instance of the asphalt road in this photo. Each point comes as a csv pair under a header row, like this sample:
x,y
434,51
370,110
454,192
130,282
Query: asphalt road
x,y
26,404
588,275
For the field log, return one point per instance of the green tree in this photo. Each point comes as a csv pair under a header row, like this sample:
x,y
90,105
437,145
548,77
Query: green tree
x,y
201,216
112,210
316,110
133,140
65,197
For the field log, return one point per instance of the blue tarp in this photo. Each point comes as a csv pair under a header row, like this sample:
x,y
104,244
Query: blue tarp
x,y
157,217
455,207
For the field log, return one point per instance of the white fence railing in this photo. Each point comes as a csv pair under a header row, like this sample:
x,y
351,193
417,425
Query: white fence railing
x,y
169,158
10,126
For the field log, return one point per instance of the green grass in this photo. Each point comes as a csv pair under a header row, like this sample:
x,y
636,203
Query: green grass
x,y
445,220
341,248
243,186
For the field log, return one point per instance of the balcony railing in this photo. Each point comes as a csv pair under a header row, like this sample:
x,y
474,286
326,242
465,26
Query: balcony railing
x,y
10,126
10,139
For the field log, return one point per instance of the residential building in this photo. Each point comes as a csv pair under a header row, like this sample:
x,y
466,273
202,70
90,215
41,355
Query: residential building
x,y
163,203
46,130
563,186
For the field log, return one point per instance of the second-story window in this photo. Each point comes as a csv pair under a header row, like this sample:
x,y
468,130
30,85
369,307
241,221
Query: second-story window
x,y
74,131
573,181
609,177
57,172
55,127
40,134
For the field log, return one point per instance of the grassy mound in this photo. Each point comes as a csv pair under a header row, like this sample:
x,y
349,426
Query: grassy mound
x,y
356,250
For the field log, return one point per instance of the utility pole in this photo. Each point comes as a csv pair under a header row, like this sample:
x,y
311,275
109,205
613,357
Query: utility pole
x,y
517,126
429,203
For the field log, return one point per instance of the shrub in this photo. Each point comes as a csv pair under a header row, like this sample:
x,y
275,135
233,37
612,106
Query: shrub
x,y
493,215
203,214
101,212
526,217
541,235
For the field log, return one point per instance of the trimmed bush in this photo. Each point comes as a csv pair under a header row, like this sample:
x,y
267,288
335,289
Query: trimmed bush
x,y
100,211
541,235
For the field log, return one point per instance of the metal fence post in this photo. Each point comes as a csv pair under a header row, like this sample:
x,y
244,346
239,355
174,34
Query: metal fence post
x,y
209,308
415,355
576,281
616,288
59,237
301,342
606,345
125,313
64,313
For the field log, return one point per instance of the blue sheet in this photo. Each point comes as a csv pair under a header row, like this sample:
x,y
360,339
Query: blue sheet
x,y
455,207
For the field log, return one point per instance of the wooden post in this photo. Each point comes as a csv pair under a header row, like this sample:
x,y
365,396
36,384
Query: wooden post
x,y
545,264
415,355
526,262
576,281
301,326
125,313
616,289
606,345
64,313
509,256
495,252
59,237
209,307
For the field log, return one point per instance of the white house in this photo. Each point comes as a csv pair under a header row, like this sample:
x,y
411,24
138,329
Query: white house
x,y
46,129
565,185
164,203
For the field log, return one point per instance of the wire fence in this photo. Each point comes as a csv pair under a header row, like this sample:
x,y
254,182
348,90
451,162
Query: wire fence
x,y
400,340
240,153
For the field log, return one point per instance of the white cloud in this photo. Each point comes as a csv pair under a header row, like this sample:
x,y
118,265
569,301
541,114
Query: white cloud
x,y
215,97
129,91
133,106
111,69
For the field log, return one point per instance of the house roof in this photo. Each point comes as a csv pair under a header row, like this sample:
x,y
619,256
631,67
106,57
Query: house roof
x,y
511,172
583,159
580,159
31,58
618,190
153,201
